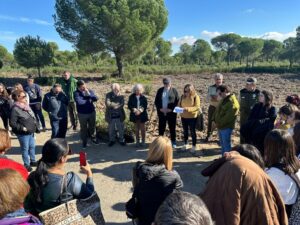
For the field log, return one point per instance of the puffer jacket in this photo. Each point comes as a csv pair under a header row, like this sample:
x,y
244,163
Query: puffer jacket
x,y
56,105
154,184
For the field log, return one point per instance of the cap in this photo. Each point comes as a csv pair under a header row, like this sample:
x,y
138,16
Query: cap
x,y
251,80
166,80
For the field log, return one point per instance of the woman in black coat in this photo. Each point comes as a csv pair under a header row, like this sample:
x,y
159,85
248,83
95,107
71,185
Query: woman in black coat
x,y
154,180
4,106
137,104
260,121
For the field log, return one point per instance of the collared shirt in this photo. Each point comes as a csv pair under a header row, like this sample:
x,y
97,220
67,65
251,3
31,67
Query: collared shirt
x,y
165,98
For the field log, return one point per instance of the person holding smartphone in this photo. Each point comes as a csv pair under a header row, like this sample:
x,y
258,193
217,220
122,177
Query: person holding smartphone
x,y
46,182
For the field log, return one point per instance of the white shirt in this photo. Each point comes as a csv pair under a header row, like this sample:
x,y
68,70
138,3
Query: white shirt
x,y
286,186
138,101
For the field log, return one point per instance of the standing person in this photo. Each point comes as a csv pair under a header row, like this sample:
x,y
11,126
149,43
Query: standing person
x,y
154,179
47,180
55,103
248,98
69,85
23,124
115,114
137,104
212,98
85,99
260,121
282,165
225,116
4,106
166,100
35,101
190,102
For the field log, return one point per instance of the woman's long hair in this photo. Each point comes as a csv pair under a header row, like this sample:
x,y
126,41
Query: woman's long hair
x,y
268,98
4,92
52,153
280,149
160,152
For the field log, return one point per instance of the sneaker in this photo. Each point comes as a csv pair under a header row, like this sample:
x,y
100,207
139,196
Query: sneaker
x,y
111,143
34,164
28,168
193,149
96,141
123,143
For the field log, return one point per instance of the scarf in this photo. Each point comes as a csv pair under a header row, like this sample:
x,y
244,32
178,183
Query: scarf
x,y
25,108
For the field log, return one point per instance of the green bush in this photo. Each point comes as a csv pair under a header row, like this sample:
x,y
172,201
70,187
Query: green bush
x,y
46,81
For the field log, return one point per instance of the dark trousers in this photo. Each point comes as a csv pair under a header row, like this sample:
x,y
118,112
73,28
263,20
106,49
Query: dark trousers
x,y
87,126
59,128
189,124
162,123
36,108
5,118
73,113
211,111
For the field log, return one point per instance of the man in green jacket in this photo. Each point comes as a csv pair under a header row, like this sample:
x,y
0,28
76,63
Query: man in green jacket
x,y
225,116
69,86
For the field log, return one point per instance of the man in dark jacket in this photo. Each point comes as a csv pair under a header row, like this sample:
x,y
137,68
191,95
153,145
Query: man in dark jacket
x,y
85,99
35,99
166,100
56,104
69,85
248,98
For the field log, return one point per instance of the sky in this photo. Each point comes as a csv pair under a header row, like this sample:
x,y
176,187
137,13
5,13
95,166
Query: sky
x,y
189,20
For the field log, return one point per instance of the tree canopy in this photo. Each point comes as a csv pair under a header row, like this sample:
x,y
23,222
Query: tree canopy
x,y
33,52
124,27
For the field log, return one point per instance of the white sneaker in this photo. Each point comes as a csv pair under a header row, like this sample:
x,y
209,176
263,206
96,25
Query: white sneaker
x,y
193,149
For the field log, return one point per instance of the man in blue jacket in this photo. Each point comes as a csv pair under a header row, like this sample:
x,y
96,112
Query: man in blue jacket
x,y
56,104
84,99
35,99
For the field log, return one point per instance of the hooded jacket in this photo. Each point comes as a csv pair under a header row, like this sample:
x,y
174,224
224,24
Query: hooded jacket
x,y
239,192
155,183
56,105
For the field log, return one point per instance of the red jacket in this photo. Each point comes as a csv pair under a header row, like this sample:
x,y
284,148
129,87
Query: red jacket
x,y
6,163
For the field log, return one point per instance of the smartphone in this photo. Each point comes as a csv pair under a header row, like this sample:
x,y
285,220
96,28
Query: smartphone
x,y
82,158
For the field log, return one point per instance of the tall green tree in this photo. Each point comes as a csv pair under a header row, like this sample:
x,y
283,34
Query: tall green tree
x,y
290,51
250,48
185,53
201,51
271,49
124,27
33,52
163,49
227,43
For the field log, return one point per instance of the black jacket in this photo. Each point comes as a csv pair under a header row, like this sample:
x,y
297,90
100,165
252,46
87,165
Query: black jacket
x,y
132,103
56,105
5,105
154,184
51,193
173,99
19,119
259,123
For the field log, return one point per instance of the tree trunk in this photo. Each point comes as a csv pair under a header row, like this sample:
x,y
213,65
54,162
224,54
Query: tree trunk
x,y
228,59
119,65
247,61
291,63
253,62
39,71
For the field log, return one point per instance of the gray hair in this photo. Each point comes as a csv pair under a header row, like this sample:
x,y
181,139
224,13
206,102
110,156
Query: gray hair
x,y
183,208
115,85
138,87
218,76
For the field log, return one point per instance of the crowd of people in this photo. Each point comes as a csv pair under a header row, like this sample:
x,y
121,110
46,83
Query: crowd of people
x,y
254,183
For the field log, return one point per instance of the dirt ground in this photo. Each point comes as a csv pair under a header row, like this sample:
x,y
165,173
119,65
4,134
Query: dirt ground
x,y
112,166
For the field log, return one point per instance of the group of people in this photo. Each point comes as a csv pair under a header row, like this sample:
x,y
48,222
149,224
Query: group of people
x,y
256,182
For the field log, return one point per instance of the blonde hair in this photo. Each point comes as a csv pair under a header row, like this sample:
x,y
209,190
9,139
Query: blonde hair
x,y
161,152
191,89
5,142
136,87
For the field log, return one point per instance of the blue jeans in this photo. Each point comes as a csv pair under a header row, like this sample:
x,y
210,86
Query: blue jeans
x,y
225,139
59,128
27,144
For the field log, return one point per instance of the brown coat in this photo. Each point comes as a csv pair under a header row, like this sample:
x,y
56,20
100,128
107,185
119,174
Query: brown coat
x,y
239,192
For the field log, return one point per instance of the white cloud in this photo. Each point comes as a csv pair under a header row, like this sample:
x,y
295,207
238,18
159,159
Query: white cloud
x,y
25,20
249,11
8,36
278,36
210,34
183,40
